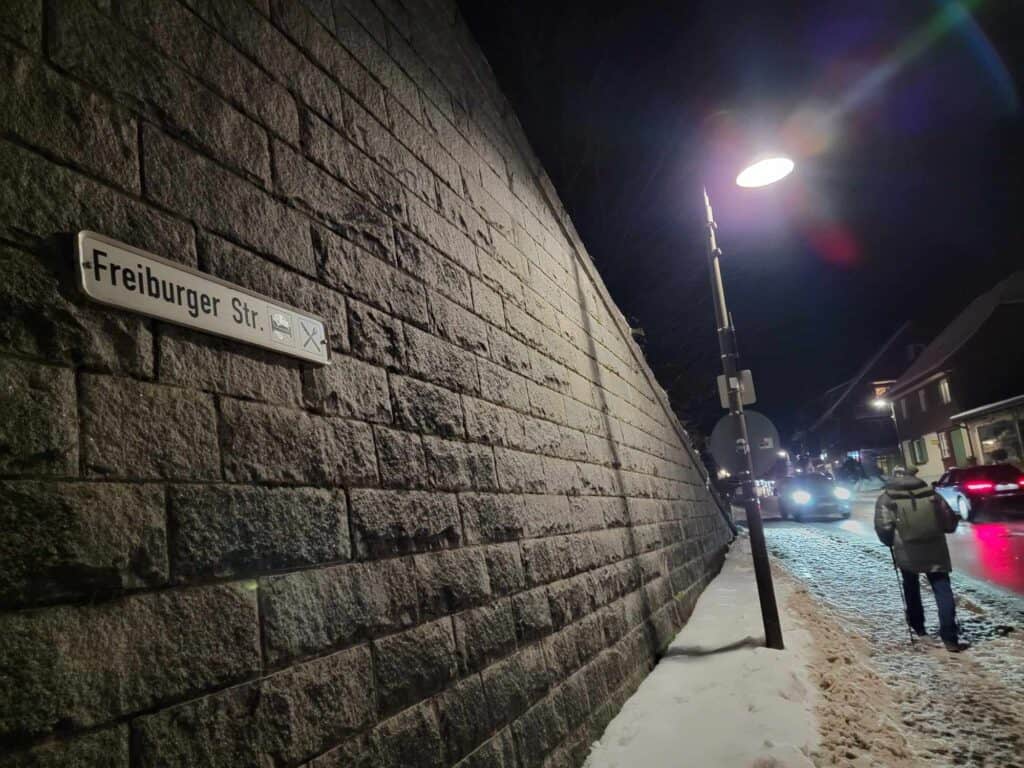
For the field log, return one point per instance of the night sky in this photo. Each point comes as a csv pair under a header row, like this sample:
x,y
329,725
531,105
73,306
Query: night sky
x,y
904,119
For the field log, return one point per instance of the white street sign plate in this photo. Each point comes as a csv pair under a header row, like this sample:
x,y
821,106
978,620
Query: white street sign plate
x,y
121,276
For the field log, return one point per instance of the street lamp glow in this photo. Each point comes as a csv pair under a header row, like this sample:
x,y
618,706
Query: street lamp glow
x,y
765,172
880,403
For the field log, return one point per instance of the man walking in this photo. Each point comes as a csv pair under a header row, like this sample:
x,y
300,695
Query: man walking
x,y
912,520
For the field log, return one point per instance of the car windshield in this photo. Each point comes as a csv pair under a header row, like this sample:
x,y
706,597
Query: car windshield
x,y
997,473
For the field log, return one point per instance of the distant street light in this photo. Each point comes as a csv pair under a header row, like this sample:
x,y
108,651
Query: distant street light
x,y
759,174
881,404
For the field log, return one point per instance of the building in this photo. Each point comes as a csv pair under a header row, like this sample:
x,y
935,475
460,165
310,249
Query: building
x,y
994,431
962,379
848,422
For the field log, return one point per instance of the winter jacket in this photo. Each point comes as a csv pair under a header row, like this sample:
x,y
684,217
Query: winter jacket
x,y
911,519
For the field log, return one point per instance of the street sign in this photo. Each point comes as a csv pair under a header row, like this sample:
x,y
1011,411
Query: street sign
x,y
121,276
743,381
728,447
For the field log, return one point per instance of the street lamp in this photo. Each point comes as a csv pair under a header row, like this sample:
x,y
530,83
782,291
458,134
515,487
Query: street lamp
x,y
882,404
761,173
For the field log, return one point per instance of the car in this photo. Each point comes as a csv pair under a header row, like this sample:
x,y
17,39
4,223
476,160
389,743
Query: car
x,y
989,486
812,495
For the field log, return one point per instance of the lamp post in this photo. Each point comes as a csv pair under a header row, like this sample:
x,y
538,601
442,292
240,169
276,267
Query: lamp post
x,y
761,173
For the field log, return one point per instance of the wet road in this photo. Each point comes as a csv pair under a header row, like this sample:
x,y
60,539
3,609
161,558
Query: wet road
x,y
962,710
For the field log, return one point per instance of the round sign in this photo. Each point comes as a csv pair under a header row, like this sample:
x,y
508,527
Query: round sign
x,y
728,447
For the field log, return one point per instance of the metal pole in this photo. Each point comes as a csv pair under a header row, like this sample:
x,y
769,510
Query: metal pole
x,y
727,348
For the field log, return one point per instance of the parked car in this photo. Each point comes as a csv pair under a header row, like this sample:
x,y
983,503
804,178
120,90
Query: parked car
x,y
986,487
812,495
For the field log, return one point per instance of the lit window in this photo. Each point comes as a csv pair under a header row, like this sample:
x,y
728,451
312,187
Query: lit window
x,y
903,407
922,399
968,443
944,445
944,392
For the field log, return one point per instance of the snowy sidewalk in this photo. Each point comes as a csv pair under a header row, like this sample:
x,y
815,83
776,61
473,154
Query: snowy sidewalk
x,y
718,699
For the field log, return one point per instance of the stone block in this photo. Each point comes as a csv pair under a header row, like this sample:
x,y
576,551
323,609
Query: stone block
x,y
499,752
414,664
348,387
81,40
487,303
451,581
538,732
505,567
322,46
69,540
375,336
430,265
396,522
106,749
270,444
196,188
502,386
509,352
145,431
546,515
47,110
300,181
542,436
532,612
492,517
457,466
484,634
282,719
547,403
340,156
221,531
307,612
493,424
400,458
82,666
457,325
39,429
60,201
514,684
461,712
349,268
442,363
262,42
563,476
183,37
22,21
519,472
46,318
426,408
198,361
411,739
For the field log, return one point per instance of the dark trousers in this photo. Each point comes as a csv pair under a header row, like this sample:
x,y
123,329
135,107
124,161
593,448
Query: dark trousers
x,y
943,599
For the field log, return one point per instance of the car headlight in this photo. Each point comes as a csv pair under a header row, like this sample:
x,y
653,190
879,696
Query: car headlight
x,y
801,497
843,494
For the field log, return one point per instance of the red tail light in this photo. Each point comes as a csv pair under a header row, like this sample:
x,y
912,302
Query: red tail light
x,y
980,487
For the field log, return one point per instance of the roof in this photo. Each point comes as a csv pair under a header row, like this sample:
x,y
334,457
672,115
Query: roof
x,y
959,332
981,410
865,369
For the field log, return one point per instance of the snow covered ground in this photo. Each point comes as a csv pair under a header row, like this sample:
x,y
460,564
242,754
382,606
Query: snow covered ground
x,y
849,690
717,698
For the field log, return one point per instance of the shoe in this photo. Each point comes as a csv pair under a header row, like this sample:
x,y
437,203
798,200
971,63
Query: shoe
x,y
955,646
919,632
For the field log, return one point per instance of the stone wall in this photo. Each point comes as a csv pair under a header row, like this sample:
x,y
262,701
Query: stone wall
x,y
463,542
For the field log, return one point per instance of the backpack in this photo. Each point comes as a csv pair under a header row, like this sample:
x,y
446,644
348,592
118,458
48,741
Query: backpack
x,y
916,514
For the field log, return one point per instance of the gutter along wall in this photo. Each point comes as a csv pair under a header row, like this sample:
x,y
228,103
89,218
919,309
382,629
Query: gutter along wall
x,y
463,542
